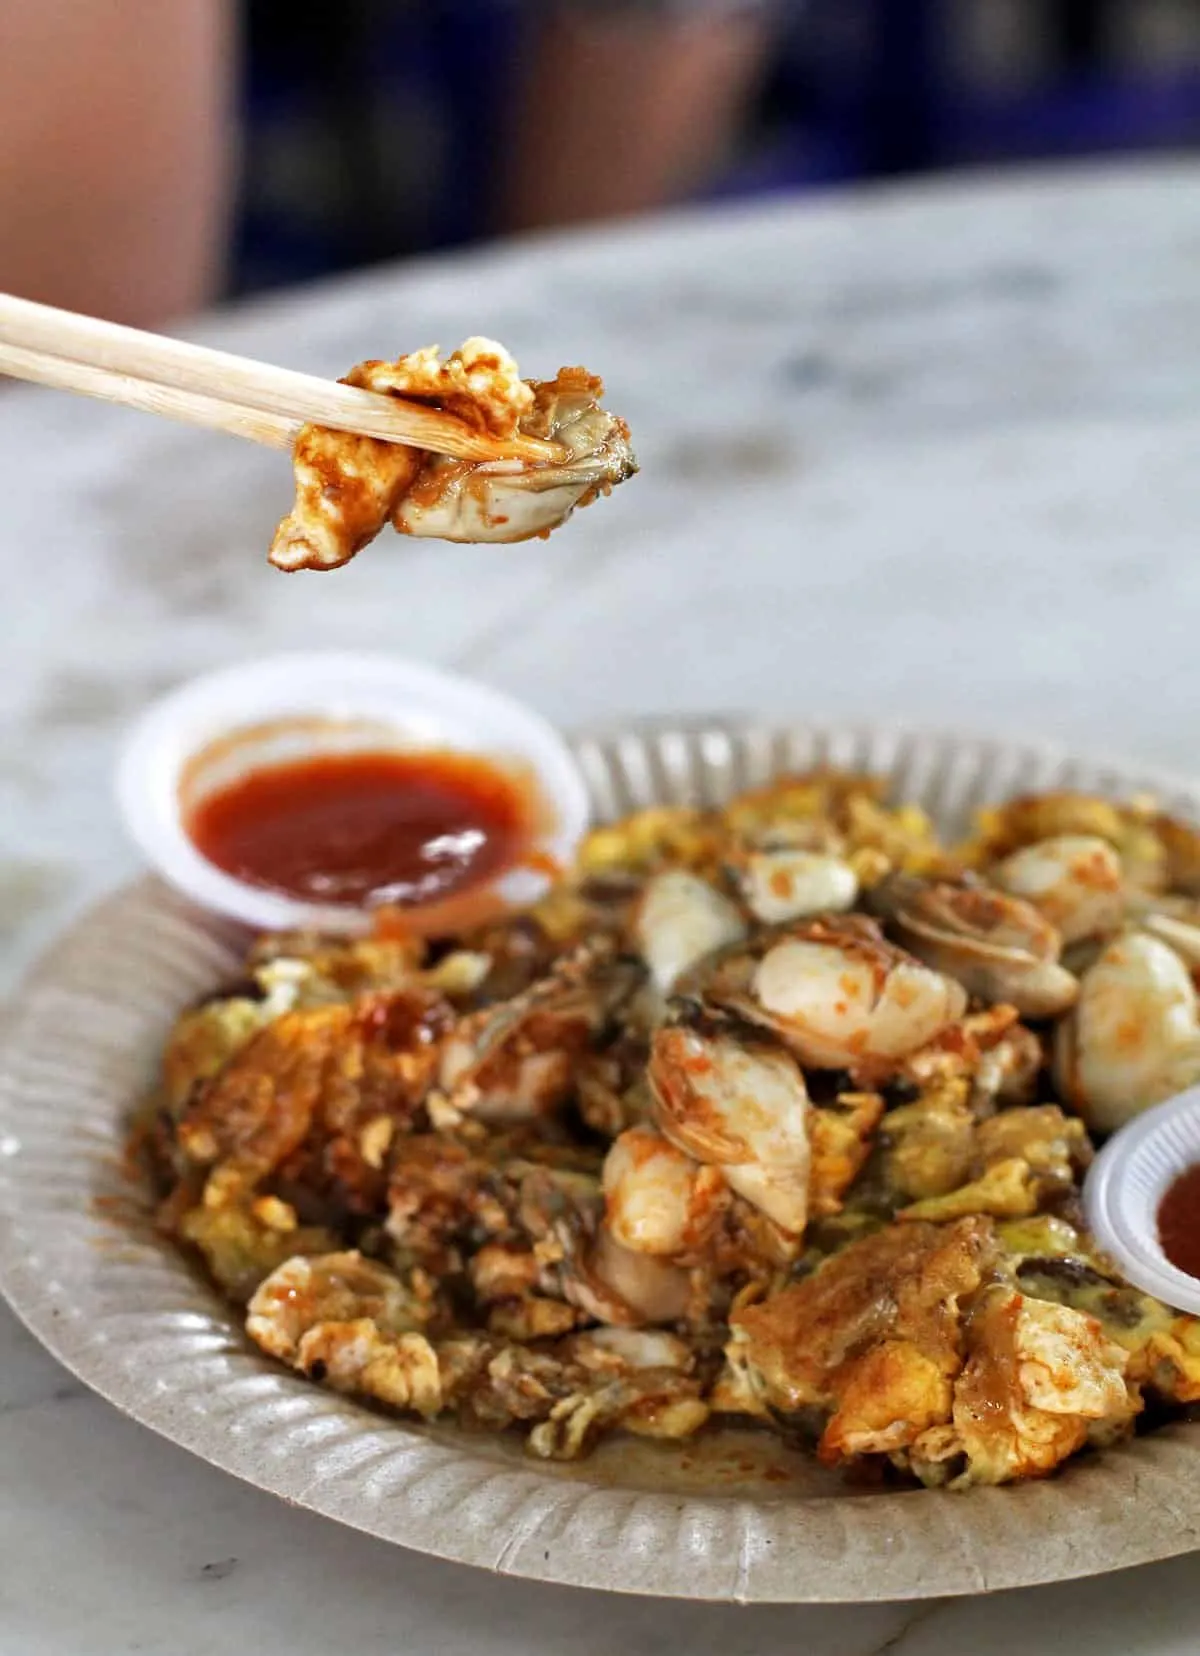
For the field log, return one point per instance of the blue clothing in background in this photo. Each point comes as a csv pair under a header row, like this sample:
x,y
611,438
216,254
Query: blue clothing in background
x,y
377,137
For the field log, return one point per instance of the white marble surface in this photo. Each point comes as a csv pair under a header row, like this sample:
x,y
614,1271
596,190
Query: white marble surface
x,y
928,456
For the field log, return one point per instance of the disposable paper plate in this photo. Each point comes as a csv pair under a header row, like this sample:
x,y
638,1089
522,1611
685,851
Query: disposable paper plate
x,y
123,1312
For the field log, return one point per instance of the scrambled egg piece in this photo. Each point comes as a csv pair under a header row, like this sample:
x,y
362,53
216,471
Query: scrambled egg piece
x,y
674,835
928,1147
840,1138
315,1098
241,1242
1049,1259
204,1040
284,972
1039,1382
823,810
1016,1160
871,1342
350,1323
479,384
851,807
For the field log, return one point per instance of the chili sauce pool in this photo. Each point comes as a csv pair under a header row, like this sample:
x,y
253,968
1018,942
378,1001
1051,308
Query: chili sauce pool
x,y
402,829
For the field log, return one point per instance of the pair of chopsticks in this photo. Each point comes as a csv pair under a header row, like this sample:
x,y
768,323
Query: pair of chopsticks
x,y
224,392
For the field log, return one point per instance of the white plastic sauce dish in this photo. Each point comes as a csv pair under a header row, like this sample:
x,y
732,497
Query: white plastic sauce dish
x,y
215,730
1124,1189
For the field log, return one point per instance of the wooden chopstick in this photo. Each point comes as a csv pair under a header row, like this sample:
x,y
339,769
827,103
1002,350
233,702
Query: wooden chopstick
x,y
221,391
166,400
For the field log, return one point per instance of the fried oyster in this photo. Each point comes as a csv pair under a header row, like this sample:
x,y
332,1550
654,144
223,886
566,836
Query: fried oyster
x,y
774,1113
349,487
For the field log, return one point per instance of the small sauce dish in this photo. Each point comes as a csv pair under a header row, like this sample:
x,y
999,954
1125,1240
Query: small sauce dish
x,y
1124,1193
310,791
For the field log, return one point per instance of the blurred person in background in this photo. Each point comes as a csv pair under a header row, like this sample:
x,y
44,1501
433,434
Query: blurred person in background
x,y
628,105
117,130
119,126
156,155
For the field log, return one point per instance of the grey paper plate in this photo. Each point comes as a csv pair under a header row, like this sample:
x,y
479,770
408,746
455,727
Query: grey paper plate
x,y
125,1314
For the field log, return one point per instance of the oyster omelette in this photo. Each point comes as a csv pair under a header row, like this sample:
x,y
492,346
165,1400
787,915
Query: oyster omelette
x,y
773,1113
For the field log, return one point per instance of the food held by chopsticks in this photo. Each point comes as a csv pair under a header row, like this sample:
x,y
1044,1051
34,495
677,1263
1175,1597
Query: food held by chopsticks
x,y
461,450
348,487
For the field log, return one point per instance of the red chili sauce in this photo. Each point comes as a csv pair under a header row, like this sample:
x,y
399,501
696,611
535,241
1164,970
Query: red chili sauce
x,y
1179,1222
402,829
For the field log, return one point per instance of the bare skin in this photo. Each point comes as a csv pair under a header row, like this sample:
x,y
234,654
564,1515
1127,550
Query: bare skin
x,y
622,114
115,153
118,138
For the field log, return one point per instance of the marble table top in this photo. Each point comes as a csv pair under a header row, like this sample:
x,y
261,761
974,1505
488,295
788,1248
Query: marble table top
x,y
927,454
